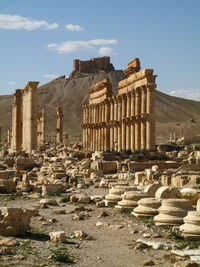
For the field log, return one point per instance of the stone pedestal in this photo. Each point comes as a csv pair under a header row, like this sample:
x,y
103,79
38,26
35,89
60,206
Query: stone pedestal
x,y
191,227
147,207
172,211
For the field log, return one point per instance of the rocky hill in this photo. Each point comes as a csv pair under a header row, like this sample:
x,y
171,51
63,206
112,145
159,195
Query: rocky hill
x,y
173,114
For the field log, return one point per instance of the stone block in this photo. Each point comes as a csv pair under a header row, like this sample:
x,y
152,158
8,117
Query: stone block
x,y
57,237
14,221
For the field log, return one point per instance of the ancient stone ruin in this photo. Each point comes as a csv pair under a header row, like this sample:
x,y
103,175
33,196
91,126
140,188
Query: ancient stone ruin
x,y
94,65
41,128
122,122
17,121
29,128
117,185
59,129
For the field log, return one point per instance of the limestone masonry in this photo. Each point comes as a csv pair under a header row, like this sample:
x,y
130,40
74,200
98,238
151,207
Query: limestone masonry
x,y
94,65
122,122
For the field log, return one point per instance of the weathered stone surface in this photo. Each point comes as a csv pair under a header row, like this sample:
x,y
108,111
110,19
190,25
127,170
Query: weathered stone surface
x,y
14,221
25,163
57,237
191,226
168,192
130,199
191,194
52,189
147,207
172,211
104,166
81,198
152,188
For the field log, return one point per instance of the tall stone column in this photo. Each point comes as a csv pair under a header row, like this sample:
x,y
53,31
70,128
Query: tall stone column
x,y
115,124
66,140
119,123
102,138
132,122
43,123
9,136
150,132
30,117
138,119
16,141
128,139
59,129
107,128
89,138
94,137
128,106
124,108
143,118
99,138
112,124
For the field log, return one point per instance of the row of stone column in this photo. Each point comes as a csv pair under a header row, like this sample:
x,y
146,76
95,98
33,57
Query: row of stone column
x,y
124,122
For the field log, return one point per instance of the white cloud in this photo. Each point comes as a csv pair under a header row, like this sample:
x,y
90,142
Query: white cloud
x,y
188,94
16,22
106,51
11,83
50,76
72,27
74,46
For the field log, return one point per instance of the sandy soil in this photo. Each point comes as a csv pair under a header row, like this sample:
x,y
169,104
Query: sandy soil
x,y
112,243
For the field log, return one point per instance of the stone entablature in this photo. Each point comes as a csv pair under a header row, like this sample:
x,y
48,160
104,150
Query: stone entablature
x,y
125,121
100,91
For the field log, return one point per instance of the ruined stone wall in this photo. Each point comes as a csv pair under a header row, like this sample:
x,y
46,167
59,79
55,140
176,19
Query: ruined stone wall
x,y
93,65
30,117
122,122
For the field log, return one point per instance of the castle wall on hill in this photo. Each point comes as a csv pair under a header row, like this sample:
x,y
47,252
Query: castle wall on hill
x,y
93,65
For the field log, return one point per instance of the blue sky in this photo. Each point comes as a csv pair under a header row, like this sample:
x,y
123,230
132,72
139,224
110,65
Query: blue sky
x,y
40,38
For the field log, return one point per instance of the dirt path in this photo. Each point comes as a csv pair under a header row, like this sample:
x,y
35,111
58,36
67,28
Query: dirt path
x,y
112,243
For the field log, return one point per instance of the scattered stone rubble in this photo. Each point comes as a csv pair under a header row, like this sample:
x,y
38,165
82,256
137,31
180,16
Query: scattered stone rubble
x,y
163,184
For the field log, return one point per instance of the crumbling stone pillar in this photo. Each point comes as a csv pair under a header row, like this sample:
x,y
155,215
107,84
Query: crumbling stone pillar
x,y
119,123
9,136
17,121
66,140
128,115
107,130
59,129
138,119
124,122
132,122
112,124
151,116
30,117
115,124
143,118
